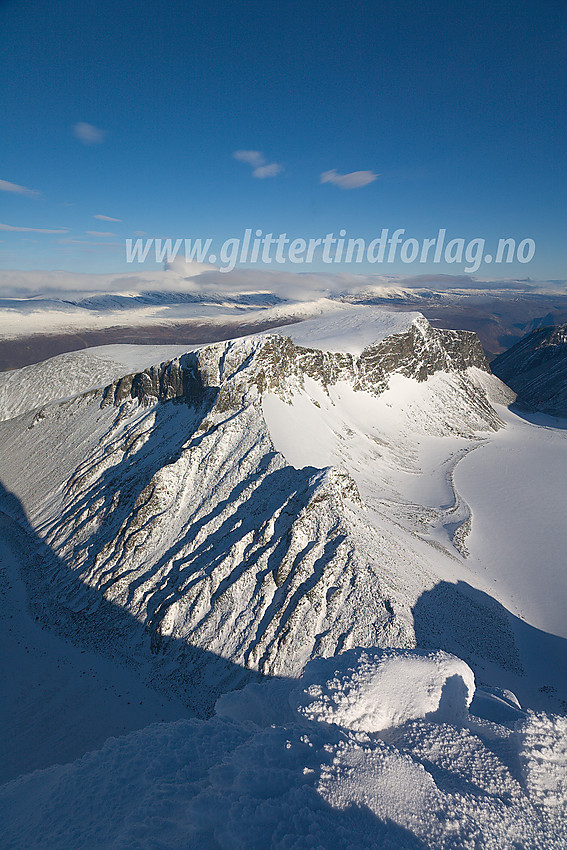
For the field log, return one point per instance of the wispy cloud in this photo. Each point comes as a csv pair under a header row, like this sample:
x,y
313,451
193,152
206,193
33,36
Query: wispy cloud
x,y
106,218
354,180
14,229
88,134
6,186
253,158
99,233
270,170
261,168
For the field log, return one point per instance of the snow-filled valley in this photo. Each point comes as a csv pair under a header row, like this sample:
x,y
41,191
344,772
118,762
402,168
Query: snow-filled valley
x,y
342,520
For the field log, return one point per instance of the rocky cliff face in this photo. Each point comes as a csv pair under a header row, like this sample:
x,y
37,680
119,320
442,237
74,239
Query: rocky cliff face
x,y
536,369
274,363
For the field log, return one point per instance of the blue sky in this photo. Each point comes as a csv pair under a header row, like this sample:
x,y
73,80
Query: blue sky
x,y
133,111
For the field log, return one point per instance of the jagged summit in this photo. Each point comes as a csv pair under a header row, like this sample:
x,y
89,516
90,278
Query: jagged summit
x,y
329,350
335,524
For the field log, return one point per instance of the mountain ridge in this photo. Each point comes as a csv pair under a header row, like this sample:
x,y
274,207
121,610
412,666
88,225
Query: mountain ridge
x,y
180,510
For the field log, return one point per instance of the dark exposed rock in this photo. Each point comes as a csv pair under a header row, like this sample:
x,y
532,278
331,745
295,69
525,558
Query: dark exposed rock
x,y
418,353
178,380
536,369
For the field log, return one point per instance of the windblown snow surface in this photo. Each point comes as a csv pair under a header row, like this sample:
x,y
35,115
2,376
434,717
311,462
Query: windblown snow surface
x,y
360,538
68,375
305,764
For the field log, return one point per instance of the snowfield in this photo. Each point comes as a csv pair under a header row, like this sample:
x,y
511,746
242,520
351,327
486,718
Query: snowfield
x,y
69,375
349,330
514,487
331,551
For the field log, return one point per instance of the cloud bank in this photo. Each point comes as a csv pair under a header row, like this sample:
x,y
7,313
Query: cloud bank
x,y
200,278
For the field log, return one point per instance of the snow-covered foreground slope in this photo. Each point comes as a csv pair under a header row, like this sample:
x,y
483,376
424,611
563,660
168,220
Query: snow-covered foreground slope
x,y
220,520
314,763
59,700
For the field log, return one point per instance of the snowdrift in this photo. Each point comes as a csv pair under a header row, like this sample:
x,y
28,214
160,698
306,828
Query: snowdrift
x,y
312,777
374,690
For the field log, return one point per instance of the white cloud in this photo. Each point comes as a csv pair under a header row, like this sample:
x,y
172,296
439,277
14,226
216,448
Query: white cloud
x,y
270,170
257,160
354,180
99,233
6,186
88,134
187,268
106,218
14,229
290,286
254,158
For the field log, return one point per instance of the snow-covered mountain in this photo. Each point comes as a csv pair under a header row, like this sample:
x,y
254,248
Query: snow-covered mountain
x,y
221,519
536,369
166,494
44,313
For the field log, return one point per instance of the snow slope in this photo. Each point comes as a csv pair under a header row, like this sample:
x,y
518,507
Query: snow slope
x,y
266,503
270,770
70,374
187,516
349,330
513,487
59,700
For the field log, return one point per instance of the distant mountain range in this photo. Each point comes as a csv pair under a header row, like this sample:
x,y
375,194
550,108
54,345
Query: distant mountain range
x,y
49,313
